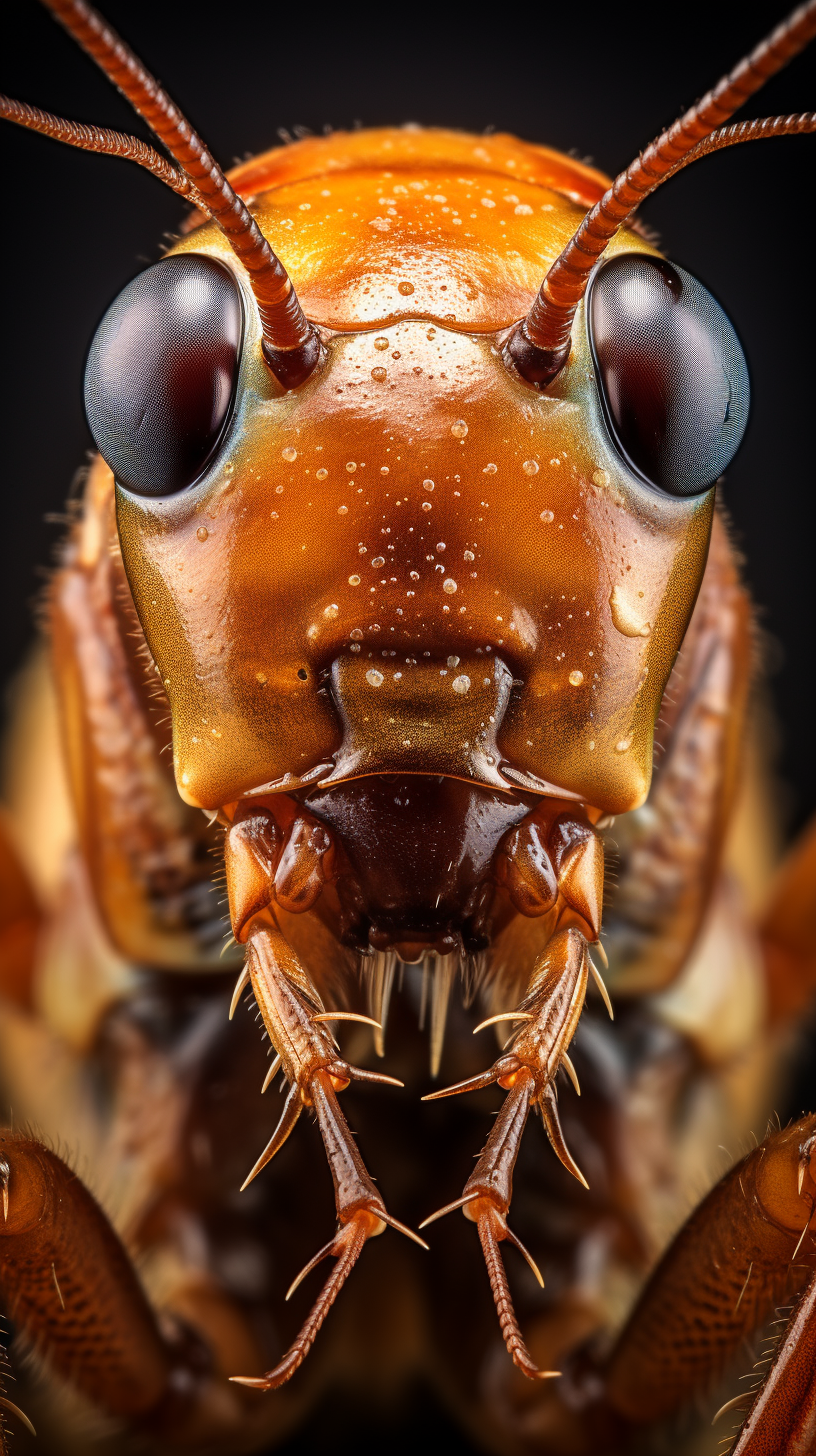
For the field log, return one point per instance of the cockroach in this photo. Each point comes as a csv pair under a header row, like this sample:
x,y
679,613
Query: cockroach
x,y
396,572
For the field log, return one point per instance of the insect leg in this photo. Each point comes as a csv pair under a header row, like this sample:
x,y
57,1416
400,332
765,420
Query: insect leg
x,y
747,1248
784,1415
549,1016
297,1026
88,1314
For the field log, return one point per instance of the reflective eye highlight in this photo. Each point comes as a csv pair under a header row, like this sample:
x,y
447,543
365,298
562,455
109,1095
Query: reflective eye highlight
x,y
671,372
161,373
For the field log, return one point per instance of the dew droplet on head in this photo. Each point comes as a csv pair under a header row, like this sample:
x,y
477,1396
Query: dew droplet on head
x,y
449,585
379,375
354,581
459,429
331,611
381,344
351,466
427,485
374,678
321,474
461,684
405,289
546,517
289,453
202,533
576,677
530,467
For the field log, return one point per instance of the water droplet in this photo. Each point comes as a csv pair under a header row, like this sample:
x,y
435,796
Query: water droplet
x,y
530,467
202,533
600,477
487,202
469,556
626,616
546,517
426,506
440,546
405,289
321,473
576,677
289,453
490,469
383,470
453,662
523,210
414,575
374,678
459,429
331,611
356,634
342,510
378,562
355,647
591,745
427,485
354,581
260,677
622,746
380,375
381,344
449,585
278,490
461,684
351,466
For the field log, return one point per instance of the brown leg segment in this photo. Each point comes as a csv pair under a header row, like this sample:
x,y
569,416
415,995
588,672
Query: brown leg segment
x,y
746,1249
308,1055
68,1284
782,1421
550,1013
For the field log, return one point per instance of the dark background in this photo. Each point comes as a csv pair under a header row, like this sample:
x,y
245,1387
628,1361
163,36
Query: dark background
x,y
601,81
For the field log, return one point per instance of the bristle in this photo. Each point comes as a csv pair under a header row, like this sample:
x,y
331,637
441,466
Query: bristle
x,y
443,979
380,986
552,1122
426,982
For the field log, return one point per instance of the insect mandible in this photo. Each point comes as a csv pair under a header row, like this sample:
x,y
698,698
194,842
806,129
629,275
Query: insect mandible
x,y
398,575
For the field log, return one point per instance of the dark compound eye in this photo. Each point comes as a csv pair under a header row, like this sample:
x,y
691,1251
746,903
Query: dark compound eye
x,y
671,372
161,373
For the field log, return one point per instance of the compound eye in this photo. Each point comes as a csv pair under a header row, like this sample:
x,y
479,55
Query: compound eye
x,y
161,373
671,373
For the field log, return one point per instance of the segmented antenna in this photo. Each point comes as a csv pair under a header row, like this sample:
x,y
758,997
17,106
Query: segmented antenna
x,y
539,346
291,345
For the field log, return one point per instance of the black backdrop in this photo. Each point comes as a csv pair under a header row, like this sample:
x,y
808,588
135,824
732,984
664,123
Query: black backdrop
x,y
600,80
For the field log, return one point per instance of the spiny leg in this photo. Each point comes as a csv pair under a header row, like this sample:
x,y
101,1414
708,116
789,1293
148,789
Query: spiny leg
x,y
550,866
69,1286
783,1415
297,1024
749,1245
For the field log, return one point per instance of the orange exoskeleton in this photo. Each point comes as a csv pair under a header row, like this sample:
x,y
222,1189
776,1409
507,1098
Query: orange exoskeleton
x,y
396,574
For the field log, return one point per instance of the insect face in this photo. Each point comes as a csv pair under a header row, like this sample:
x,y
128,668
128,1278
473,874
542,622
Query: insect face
x,y
414,539
415,564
